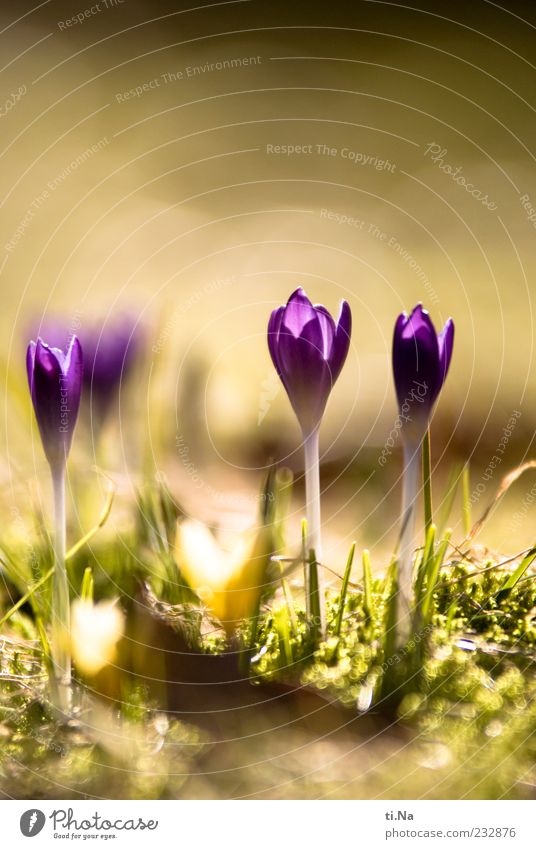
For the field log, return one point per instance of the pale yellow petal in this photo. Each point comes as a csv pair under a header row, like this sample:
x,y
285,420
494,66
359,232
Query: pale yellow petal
x,y
95,632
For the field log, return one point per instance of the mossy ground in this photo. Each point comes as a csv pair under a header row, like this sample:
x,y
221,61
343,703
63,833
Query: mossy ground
x,y
452,716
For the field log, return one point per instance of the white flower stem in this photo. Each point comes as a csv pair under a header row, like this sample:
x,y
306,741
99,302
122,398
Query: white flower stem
x,y
60,608
312,512
412,465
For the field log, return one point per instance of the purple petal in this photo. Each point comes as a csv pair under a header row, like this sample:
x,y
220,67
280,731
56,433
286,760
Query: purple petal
x,y
445,342
73,370
328,327
315,331
419,326
298,312
274,325
400,324
30,365
47,361
341,342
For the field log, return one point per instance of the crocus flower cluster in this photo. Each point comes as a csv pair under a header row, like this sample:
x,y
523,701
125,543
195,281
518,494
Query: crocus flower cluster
x,y
308,348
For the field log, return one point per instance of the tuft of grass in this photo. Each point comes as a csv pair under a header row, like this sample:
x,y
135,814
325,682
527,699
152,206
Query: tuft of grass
x,y
431,579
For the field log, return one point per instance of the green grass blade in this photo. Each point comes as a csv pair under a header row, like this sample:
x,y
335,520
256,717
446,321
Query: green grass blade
x,y
427,479
289,600
305,561
283,489
26,597
466,501
45,645
367,586
344,589
391,611
431,580
281,622
516,575
426,564
447,501
86,592
314,597
103,518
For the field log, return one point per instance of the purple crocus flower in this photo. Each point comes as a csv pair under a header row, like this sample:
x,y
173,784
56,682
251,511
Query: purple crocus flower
x,y
421,360
55,379
308,350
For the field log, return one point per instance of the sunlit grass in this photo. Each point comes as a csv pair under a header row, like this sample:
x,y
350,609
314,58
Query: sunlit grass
x,y
463,688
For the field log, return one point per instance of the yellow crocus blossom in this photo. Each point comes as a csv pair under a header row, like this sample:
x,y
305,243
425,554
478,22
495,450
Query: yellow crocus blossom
x,y
229,583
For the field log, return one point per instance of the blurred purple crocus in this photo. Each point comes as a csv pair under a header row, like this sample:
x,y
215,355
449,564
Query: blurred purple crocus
x,y
55,380
421,359
308,349
110,353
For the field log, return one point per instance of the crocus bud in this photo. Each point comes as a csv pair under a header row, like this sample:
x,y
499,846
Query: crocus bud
x,y
308,350
421,359
55,379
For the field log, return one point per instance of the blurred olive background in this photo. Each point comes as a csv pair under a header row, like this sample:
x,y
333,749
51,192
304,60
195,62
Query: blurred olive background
x,y
146,169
